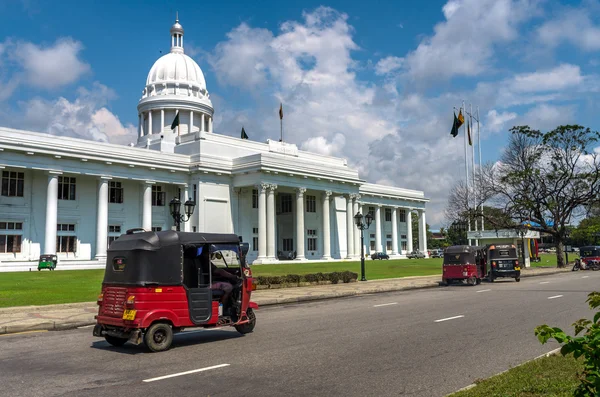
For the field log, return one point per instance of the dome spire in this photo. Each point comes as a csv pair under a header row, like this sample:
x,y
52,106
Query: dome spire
x,y
177,35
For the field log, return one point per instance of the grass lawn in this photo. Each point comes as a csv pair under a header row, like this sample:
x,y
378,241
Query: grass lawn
x,y
374,269
45,288
552,376
69,286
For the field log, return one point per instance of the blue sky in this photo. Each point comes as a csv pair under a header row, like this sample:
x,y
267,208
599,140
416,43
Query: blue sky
x,y
373,82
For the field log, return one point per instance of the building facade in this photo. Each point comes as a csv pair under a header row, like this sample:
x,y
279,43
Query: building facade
x,y
73,197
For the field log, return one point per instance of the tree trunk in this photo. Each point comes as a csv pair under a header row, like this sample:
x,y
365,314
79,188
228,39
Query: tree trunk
x,y
560,254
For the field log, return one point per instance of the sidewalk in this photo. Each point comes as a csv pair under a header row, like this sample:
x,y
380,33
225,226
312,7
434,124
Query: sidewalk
x,y
59,317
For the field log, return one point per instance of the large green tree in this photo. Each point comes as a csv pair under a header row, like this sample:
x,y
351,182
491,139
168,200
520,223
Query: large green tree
x,y
545,179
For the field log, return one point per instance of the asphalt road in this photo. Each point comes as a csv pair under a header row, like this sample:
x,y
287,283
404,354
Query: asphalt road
x,y
389,344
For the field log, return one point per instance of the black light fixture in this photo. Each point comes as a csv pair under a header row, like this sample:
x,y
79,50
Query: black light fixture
x,y
358,220
175,209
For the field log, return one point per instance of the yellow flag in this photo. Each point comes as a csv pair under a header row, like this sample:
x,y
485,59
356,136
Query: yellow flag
x,y
461,118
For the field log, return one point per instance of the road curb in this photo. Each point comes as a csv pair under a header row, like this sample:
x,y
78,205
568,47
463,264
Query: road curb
x,y
54,326
472,385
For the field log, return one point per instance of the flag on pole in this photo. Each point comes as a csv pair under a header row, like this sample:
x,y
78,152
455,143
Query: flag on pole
x,y
458,122
469,133
175,122
244,136
280,111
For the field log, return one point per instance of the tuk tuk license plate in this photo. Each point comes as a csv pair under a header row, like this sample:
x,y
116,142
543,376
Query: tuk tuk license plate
x,y
129,314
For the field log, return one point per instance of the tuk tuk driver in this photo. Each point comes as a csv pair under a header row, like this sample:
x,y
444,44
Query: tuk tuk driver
x,y
225,286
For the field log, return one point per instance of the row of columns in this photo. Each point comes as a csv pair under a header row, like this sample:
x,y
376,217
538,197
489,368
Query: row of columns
x,y
203,119
266,225
102,213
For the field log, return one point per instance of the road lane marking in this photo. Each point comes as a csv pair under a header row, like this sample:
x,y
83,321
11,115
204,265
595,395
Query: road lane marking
x,y
483,290
554,297
545,282
186,373
585,276
86,326
386,304
449,318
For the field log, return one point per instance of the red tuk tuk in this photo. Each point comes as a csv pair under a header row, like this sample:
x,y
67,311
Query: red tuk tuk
x,y
590,257
463,262
158,283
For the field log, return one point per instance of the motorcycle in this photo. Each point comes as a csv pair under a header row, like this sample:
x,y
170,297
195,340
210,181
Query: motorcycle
x,y
589,265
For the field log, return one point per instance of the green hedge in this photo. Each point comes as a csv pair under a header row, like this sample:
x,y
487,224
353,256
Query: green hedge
x,y
334,277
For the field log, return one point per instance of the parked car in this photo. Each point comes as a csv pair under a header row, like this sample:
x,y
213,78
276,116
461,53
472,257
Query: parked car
x,y
379,255
437,254
415,255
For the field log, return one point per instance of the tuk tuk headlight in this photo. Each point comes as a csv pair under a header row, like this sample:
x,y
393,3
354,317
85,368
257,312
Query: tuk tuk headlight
x,y
100,299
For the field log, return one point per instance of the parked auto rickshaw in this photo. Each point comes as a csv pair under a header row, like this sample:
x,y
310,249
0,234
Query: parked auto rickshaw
x,y
47,262
158,283
589,258
503,261
463,262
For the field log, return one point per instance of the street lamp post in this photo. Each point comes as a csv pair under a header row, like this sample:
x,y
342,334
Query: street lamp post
x,y
358,219
175,209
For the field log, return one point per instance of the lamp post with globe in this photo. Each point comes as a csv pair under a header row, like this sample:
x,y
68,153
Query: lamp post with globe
x,y
358,220
175,209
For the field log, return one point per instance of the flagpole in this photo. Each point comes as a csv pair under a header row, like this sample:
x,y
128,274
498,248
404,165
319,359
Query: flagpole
x,y
467,175
480,180
475,193
281,128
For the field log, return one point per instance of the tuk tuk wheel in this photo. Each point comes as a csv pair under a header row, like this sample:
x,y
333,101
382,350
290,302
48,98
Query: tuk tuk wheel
x,y
517,279
472,281
249,326
113,340
478,281
158,337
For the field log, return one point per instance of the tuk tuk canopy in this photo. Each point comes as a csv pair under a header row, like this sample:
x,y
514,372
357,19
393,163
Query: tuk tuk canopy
x,y
149,258
590,251
461,254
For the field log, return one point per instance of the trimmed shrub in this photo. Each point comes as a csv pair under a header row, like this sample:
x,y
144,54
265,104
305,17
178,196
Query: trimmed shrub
x,y
348,276
334,277
310,278
292,278
321,277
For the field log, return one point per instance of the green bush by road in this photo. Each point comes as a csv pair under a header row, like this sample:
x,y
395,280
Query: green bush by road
x,y
553,376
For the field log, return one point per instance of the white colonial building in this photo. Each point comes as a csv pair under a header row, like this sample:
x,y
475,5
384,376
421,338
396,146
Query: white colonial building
x,y
73,196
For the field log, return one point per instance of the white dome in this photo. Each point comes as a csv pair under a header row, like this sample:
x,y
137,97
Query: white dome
x,y
176,67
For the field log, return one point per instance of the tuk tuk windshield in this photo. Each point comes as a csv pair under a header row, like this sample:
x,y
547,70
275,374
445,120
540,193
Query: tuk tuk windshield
x,y
589,252
459,259
225,255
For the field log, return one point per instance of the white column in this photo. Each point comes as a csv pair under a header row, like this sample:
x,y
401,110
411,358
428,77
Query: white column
x,y
150,122
356,209
349,227
378,228
422,232
147,206
300,222
187,226
102,219
394,230
210,126
162,120
364,210
326,223
262,221
409,236
142,124
202,123
271,221
51,214
140,130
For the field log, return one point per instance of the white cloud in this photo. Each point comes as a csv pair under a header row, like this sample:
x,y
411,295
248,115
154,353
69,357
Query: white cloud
x,y
320,145
388,65
85,117
464,43
559,78
50,67
495,122
574,27
546,117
